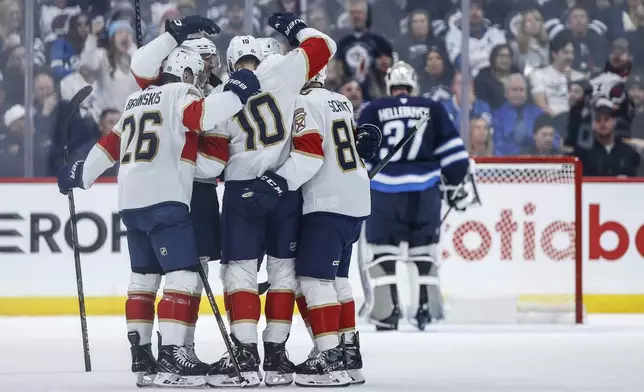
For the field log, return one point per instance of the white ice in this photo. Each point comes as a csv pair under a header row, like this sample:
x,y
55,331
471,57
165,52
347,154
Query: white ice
x,y
45,354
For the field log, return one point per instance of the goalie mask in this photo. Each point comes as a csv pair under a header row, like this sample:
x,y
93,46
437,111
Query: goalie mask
x,y
269,47
401,74
240,47
181,59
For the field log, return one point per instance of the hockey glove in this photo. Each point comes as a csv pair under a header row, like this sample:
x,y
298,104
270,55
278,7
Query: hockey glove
x,y
287,24
368,140
262,195
70,176
180,29
243,83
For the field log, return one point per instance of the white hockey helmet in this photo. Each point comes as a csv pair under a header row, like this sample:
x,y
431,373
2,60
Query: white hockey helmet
x,y
204,47
319,77
182,58
269,46
401,74
242,46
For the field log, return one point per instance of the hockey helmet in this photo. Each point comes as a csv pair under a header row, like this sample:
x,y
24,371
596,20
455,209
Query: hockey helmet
x,y
242,46
205,48
401,74
269,46
319,77
182,58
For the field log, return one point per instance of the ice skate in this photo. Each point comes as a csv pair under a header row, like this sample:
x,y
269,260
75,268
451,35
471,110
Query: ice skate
x,y
279,369
326,370
177,369
354,360
422,317
222,373
143,362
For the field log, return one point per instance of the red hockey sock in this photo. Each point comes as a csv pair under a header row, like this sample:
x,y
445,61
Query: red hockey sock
x,y
279,315
176,314
139,314
245,309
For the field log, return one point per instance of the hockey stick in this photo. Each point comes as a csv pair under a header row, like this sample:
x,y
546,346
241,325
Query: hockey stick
x,y
74,105
137,23
220,324
384,161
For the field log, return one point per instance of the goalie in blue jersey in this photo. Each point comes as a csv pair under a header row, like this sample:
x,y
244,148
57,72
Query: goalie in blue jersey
x,y
406,200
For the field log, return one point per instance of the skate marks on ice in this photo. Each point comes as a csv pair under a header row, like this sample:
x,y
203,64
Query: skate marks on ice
x,y
45,354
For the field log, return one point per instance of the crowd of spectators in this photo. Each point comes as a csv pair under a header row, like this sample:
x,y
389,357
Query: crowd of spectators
x,y
533,67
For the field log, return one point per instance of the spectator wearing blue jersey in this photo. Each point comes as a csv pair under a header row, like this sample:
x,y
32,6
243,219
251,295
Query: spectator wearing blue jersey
x,y
514,120
478,108
66,50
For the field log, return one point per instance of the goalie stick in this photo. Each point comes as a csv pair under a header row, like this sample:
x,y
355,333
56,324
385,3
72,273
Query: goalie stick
x,y
74,105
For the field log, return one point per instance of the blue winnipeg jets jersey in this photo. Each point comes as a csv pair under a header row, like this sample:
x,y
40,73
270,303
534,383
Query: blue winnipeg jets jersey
x,y
436,148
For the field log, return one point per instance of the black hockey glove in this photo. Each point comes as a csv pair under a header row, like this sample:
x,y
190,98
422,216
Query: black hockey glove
x,y
288,24
180,29
243,83
262,195
70,176
368,140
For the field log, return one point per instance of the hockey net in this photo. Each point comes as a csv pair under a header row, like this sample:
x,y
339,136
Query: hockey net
x,y
517,257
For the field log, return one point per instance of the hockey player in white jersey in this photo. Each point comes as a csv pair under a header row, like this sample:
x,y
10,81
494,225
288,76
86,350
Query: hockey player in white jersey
x,y
336,200
260,215
155,142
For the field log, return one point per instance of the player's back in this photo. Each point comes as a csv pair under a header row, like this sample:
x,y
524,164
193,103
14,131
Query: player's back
x,y
341,185
259,133
157,151
416,166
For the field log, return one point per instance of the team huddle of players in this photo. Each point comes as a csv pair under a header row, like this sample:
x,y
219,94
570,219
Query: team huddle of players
x,y
297,191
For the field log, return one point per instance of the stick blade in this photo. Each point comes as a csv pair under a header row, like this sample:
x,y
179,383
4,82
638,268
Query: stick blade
x,y
81,95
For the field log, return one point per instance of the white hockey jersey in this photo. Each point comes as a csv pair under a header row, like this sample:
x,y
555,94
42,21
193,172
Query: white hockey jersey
x,y
156,142
259,134
323,126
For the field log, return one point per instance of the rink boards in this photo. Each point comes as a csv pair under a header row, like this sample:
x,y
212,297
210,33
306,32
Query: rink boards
x,y
516,244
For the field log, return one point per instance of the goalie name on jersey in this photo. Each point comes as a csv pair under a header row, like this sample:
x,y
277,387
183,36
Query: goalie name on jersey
x,y
394,113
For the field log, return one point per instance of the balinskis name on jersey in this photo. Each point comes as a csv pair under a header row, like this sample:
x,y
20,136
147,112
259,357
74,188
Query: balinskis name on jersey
x,y
341,184
149,98
435,149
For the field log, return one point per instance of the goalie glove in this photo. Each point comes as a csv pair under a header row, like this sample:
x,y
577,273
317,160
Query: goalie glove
x,y
461,196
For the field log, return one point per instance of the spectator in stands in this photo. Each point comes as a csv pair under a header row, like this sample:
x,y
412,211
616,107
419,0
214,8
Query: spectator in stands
x,y
480,140
107,120
232,26
73,83
359,47
153,30
635,87
414,46
483,37
530,46
10,21
374,86
489,84
578,92
628,19
12,146
14,74
478,108
52,9
544,142
590,47
351,89
514,120
65,52
335,76
111,65
637,35
435,78
550,84
608,155
3,104
187,7
319,20
499,12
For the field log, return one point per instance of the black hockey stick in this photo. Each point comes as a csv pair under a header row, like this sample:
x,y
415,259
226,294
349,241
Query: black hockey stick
x,y
220,323
384,161
137,23
74,105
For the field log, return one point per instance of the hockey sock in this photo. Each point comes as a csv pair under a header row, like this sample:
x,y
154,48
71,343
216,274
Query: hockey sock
x,y
196,301
301,306
176,309
348,310
222,273
139,307
323,311
280,299
240,281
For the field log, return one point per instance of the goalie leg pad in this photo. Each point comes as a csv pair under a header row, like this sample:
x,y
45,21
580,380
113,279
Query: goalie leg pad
x,y
323,311
175,308
427,280
383,278
280,299
240,282
139,307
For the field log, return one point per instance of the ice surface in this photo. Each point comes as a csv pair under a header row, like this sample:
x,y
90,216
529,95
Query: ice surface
x,y
45,354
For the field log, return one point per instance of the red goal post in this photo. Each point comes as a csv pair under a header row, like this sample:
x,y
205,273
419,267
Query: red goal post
x,y
560,170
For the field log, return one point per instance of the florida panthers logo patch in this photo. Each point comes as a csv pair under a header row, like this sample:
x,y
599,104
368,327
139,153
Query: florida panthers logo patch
x,y
299,120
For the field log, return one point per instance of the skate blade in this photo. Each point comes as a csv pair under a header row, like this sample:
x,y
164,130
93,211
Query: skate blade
x,y
357,378
336,379
251,380
145,380
171,380
278,379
